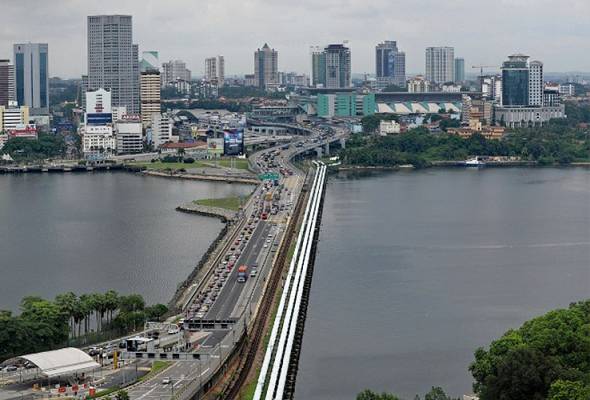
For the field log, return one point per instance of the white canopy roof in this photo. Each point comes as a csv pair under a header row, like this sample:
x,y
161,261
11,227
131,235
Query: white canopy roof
x,y
65,361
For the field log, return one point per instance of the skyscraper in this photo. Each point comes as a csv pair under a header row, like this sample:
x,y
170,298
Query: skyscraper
x,y
338,66
150,95
32,76
318,67
515,81
215,70
536,84
459,70
390,64
175,70
7,86
266,66
150,61
440,64
113,59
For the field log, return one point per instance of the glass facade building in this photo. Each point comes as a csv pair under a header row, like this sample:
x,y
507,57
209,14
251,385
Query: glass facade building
x,y
32,76
515,81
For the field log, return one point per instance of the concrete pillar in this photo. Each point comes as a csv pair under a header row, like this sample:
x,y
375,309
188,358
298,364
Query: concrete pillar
x,y
343,143
327,148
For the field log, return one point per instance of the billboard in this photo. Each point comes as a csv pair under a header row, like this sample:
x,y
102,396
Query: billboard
x,y
215,146
233,142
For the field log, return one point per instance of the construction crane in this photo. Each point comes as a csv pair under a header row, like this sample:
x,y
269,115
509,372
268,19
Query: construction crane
x,y
481,68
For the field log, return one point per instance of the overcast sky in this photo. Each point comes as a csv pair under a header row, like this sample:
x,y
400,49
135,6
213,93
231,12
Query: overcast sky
x,y
483,32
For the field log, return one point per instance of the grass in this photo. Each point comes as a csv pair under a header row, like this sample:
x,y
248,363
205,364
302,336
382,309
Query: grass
x,y
157,366
248,392
239,163
105,392
229,203
160,166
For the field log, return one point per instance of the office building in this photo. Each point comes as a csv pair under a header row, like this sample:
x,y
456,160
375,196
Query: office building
x,y
250,80
98,108
129,134
266,67
524,101
536,83
173,71
32,76
113,59
515,81
390,64
459,70
418,84
440,64
215,70
150,61
98,141
161,129
318,67
13,116
491,87
150,95
7,85
345,104
338,66
567,90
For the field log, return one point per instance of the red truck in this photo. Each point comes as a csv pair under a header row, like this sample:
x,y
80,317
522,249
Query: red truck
x,y
242,273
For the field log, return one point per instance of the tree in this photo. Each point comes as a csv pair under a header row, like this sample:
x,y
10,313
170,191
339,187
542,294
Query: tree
x,y
568,390
122,395
370,395
155,312
67,304
527,362
436,393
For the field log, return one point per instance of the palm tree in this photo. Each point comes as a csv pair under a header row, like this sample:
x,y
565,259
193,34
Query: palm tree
x,y
86,306
67,302
112,304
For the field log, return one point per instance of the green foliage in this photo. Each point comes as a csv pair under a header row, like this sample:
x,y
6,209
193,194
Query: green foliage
x,y
44,325
46,146
122,395
436,393
371,122
370,395
568,390
238,92
547,356
547,145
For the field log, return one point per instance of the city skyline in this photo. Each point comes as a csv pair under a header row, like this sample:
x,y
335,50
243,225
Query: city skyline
x,y
542,34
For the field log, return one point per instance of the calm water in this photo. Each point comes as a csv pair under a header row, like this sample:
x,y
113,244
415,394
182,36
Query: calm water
x,y
416,270
93,232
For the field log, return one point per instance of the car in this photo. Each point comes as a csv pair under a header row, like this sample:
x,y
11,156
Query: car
x,y
265,245
11,368
166,381
253,273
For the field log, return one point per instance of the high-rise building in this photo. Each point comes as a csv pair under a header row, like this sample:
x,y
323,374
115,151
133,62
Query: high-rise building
x,y
515,81
150,95
175,70
318,67
113,59
418,85
98,108
215,70
440,64
150,61
266,66
459,70
390,64
536,83
32,76
7,86
338,66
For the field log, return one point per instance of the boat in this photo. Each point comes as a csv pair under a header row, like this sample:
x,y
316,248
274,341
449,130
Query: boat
x,y
476,162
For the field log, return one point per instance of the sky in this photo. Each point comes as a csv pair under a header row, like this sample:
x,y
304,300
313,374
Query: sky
x,y
482,32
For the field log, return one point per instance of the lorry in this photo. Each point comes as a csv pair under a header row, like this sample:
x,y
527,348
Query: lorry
x,y
242,273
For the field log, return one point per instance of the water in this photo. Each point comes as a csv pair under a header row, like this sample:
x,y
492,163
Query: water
x,y
94,232
415,270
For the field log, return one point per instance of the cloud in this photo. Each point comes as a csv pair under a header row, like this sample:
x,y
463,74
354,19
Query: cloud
x,y
483,32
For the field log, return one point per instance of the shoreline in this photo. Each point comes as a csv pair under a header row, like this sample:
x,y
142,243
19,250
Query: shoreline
x,y
458,164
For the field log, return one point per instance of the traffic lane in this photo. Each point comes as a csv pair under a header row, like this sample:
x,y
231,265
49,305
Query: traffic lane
x,y
231,282
232,290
